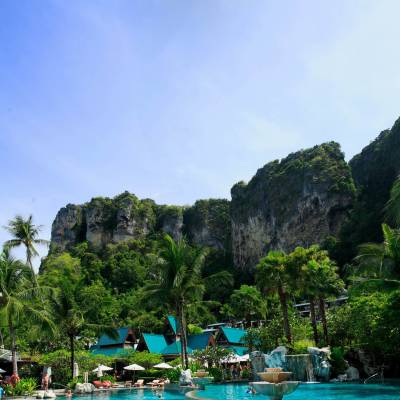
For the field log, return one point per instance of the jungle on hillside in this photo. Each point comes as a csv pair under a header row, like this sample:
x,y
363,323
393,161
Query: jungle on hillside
x,y
309,230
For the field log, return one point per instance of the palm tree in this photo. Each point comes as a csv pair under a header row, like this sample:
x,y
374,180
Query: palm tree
x,y
180,282
381,261
71,319
25,233
316,278
393,205
18,298
272,275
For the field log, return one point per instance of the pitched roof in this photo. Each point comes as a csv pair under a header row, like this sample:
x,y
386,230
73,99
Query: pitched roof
x,y
233,335
105,340
239,350
155,343
199,341
173,322
175,348
111,351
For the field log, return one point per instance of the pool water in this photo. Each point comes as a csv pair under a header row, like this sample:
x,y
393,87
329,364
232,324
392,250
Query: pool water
x,y
318,391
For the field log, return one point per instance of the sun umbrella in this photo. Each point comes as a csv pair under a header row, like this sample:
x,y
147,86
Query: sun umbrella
x,y
134,367
2,371
100,370
163,366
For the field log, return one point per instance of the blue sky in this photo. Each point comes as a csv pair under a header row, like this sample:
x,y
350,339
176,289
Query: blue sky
x,y
178,100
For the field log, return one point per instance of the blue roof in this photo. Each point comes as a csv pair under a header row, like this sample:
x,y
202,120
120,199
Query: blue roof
x,y
233,335
175,348
155,343
199,341
173,323
239,350
111,351
105,340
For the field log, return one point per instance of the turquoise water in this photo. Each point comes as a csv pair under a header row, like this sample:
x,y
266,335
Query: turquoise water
x,y
319,391
338,391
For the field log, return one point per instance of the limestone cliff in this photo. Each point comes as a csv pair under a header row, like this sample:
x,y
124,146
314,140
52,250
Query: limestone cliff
x,y
374,171
207,223
297,201
104,220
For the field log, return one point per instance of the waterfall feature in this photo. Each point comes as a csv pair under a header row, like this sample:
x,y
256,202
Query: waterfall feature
x,y
301,366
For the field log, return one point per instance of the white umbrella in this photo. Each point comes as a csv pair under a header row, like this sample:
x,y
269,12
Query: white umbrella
x,y
245,357
2,371
134,367
163,366
102,368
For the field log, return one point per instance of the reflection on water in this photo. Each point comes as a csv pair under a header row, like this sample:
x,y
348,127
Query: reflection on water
x,y
322,391
337,391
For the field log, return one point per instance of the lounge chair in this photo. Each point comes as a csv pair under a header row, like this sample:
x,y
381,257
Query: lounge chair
x,y
128,384
155,383
107,384
139,383
98,384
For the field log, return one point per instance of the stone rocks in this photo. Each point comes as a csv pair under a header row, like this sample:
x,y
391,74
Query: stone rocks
x,y
320,361
207,223
185,378
257,362
277,357
67,228
352,374
313,365
82,388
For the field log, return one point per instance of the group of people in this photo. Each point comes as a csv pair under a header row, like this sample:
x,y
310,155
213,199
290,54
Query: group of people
x,y
234,371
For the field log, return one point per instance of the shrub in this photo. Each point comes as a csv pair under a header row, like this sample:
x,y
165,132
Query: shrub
x,y
25,387
216,373
337,361
300,346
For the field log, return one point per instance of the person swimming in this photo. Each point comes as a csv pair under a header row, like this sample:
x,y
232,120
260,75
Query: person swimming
x,y
250,390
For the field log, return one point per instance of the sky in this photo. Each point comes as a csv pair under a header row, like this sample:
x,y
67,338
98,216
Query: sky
x,y
177,100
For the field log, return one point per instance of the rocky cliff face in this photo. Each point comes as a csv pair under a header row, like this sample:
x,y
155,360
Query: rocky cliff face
x,y
104,220
207,223
374,171
298,201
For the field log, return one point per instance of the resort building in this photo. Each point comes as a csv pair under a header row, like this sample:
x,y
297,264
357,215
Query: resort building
x,y
107,346
168,344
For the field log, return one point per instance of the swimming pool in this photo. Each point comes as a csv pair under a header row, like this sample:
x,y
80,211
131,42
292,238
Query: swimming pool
x,y
321,391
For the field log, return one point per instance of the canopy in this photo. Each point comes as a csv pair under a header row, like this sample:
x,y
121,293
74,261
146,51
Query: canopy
x,y
102,368
233,359
163,366
134,367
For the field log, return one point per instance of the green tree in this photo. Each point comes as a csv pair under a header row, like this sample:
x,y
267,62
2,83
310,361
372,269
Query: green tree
x,y
71,318
179,282
316,278
393,205
18,299
247,303
381,261
25,233
272,276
